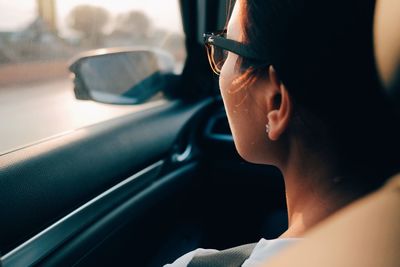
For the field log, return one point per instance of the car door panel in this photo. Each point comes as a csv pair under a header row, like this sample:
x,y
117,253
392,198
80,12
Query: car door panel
x,y
127,212
42,183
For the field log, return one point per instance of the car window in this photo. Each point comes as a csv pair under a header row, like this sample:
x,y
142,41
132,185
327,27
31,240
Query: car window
x,y
38,38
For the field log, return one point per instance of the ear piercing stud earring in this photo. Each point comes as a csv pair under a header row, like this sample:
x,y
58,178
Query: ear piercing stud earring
x,y
267,128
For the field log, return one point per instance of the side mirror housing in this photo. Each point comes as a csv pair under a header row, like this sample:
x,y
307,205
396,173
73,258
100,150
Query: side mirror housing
x,y
121,76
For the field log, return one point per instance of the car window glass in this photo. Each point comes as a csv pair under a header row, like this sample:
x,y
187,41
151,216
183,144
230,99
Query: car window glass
x,y
38,38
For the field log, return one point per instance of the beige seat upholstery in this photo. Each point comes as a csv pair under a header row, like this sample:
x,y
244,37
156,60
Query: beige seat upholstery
x,y
366,234
387,41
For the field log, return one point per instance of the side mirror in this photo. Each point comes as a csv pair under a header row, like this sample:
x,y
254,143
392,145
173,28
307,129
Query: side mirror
x,y
121,76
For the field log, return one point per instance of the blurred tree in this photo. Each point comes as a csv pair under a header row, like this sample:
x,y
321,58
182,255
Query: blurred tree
x,y
174,43
90,21
134,23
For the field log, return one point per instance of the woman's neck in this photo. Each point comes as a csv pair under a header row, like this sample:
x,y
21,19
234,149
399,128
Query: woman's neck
x,y
312,193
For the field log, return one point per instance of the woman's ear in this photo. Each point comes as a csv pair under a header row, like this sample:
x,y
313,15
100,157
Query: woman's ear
x,y
281,107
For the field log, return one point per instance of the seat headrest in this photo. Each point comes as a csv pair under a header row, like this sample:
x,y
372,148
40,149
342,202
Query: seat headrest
x,y
387,46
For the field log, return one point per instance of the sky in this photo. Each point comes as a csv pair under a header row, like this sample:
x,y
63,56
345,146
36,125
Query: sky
x,y
17,14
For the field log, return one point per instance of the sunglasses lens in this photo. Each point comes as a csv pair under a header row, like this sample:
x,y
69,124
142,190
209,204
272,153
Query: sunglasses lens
x,y
217,57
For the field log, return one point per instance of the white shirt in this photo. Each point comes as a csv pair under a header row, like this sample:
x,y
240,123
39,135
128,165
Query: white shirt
x,y
262,252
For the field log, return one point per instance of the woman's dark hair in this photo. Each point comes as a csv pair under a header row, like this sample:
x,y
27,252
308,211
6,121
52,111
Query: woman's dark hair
x,y
323,53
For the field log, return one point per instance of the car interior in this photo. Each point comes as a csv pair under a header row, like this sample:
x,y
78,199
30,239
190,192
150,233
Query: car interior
x,y
144,188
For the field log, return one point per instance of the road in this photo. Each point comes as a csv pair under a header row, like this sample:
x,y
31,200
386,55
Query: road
x,y
29,114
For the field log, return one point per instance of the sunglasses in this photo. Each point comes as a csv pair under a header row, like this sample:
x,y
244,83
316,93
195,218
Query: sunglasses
x,y
218,46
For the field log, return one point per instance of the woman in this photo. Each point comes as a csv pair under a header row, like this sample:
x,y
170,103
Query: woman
x,y
367,232
301,92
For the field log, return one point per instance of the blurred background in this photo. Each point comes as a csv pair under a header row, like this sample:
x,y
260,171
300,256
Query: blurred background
x,y
38,38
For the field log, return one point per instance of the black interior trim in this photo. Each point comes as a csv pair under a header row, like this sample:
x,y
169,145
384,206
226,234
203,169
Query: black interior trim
x,y
218,129
42,183
42,244
84,243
